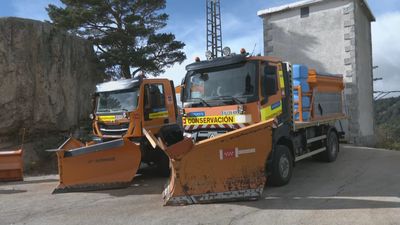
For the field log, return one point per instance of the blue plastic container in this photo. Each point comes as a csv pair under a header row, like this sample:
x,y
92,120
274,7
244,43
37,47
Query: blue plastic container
x,y
305,87
305,107
300,76
306,116
299,71
306,101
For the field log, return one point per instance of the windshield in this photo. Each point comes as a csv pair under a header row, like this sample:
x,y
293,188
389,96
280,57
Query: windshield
x,y
117,101
232,82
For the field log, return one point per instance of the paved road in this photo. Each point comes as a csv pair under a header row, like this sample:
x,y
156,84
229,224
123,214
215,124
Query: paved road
x,y
361,187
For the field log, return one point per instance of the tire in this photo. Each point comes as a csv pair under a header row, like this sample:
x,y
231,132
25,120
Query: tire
x,y
332,148
169,134
282,166
162,164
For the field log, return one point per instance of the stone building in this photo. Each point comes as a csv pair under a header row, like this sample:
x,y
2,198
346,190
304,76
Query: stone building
x,y
334,37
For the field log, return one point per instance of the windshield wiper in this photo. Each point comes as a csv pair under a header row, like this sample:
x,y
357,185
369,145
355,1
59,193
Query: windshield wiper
x,y
236,100
203,101
103,110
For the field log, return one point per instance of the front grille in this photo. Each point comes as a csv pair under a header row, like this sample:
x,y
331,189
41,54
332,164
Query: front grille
x,y
114,130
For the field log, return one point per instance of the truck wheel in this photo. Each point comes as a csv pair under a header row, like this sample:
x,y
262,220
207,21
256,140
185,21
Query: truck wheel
x,y
162,164
332,148
282,166
171,134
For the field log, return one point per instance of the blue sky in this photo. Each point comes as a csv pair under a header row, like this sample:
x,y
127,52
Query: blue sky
x,y
243,28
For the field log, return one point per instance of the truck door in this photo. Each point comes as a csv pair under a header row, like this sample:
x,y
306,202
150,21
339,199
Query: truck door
x,y
271,84
155,112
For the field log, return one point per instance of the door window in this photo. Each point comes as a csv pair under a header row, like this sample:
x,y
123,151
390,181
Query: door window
x,y
154,101
270,82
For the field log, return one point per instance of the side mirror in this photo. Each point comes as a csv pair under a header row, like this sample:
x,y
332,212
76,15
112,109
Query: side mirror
x,y
270,82
182,94
93,99
270,85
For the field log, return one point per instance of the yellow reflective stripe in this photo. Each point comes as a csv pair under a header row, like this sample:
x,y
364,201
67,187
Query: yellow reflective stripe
x,y
209,120
271,111
156,115
107,118
206,120
281,80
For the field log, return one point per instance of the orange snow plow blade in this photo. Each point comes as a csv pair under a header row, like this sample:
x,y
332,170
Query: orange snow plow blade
x,y
101,166
11,165
230,167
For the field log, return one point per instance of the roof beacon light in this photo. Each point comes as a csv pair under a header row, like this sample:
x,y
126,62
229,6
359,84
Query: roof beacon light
x,y
243,51
226,51
209,55
197,59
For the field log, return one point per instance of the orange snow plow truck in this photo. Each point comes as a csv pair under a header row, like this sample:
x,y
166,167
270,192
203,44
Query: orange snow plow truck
x,y
248,120
122,109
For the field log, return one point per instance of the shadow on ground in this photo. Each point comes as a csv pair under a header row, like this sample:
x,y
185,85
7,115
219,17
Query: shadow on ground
x,y
359,179
36,181
12,191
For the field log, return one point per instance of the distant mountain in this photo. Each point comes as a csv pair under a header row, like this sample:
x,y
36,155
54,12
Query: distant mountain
x,y
387,118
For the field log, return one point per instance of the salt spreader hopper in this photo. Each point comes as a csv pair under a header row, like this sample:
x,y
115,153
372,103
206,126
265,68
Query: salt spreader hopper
x,y
11,165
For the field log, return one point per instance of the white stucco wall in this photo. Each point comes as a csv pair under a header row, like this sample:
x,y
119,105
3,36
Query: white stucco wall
x,y
308,40
334,39
364,72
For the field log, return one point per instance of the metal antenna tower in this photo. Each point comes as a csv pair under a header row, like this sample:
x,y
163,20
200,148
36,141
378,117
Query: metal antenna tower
x,y
214,34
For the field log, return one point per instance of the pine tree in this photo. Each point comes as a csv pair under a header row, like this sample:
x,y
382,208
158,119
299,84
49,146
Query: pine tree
x,y
124,33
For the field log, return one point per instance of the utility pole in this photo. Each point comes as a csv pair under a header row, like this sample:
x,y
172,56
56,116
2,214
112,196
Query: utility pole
x,y
214,32
378,78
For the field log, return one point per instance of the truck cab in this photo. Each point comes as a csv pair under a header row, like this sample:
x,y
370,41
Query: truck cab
x,y
229,93
123,108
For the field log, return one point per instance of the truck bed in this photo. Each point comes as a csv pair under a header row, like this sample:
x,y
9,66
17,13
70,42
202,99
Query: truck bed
x,y
316,122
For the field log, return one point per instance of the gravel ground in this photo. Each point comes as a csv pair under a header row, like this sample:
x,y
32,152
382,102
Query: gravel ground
x,y
361,187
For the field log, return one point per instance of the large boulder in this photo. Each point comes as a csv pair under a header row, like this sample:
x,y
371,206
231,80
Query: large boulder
x,y
46,77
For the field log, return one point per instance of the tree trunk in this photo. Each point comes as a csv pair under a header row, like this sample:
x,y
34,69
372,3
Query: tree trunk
x,y
126,71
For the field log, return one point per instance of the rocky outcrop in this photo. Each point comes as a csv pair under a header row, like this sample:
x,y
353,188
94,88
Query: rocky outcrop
x,y
46,77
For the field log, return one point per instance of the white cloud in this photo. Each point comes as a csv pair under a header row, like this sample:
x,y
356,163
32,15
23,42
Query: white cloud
x,y
386,51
